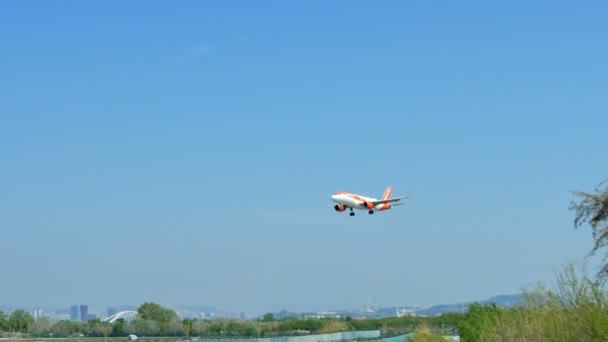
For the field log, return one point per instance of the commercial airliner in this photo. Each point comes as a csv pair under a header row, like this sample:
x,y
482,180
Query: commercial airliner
x,y
346,200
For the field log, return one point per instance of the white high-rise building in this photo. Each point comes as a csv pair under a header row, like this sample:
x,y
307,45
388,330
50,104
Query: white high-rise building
x,y
37,313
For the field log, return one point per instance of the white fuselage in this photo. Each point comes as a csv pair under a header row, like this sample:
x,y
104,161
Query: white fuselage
x,y
354,201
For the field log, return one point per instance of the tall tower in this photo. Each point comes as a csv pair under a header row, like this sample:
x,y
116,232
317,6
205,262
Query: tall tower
x,y
74,313
84,313
37,313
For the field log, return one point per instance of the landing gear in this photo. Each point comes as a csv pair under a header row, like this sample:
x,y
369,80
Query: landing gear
x,y
352,213
370,212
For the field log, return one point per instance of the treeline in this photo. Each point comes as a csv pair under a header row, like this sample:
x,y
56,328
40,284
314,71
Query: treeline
x,y
389,325
154,320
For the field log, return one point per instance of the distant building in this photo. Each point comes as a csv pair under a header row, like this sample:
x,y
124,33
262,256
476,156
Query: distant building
x,y
84,313
37,313
404,312
74,313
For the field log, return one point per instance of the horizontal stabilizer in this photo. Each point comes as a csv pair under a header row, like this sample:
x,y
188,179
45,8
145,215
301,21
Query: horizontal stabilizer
x,y
396,199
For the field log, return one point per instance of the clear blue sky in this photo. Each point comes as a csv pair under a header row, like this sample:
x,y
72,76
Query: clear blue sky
x,y
184,152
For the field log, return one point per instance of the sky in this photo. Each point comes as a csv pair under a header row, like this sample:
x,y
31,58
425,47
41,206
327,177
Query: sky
x,y
184,153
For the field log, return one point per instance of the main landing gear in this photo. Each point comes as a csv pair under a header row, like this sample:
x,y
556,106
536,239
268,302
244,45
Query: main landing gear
x,y
370,212
352,213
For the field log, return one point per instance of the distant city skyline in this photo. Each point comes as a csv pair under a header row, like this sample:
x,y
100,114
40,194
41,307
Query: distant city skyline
x,y
185,152
208,312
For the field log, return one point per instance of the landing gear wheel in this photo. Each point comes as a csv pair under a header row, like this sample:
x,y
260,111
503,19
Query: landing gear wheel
x,y
370,212
352,214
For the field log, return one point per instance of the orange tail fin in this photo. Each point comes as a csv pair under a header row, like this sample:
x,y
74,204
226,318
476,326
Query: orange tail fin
x,y
387,193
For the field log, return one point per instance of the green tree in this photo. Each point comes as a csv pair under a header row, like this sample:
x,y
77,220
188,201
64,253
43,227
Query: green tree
x,y
40,327
333,325
142,327
19,320
448,320
476,320
106,329
199,327
215,328
187,327
158,314
175,326
118,327
3,321
96,327
65,328
366,324
251,330
92,327
269,317
593,209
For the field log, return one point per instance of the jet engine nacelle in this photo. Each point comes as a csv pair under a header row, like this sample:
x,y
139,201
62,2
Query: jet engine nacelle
x,y
340,207
368,205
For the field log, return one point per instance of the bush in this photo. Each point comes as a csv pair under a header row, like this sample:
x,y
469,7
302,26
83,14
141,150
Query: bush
x,y
424,334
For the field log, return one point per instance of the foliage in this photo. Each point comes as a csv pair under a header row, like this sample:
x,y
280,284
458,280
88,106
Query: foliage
x,y
154,320
20,320
593,209
40,327
476,321
199,327
269,317
576,311
3,321
365,324
118,328
293,324
423,333
187,326
447,319
156,313
95,327
66,328
331,326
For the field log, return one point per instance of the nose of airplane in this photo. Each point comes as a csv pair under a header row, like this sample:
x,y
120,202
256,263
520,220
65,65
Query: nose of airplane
x,y
334,197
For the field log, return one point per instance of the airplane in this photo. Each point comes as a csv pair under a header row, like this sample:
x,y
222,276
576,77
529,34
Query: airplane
x,y
351,201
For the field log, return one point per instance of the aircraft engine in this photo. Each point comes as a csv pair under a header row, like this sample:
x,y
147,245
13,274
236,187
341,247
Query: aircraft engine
x,y
367,204
339,207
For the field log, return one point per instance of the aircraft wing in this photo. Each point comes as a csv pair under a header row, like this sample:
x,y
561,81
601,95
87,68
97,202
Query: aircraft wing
x,y
396,199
